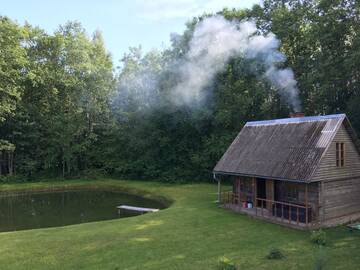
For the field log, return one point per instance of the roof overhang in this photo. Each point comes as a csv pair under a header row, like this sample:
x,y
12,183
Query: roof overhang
x,y
352,133
259,176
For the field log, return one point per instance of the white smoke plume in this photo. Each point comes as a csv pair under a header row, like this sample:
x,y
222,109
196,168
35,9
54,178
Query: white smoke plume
x,y
138,86
215,41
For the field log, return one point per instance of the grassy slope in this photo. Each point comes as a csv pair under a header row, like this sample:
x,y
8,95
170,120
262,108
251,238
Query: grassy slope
x,y
192,234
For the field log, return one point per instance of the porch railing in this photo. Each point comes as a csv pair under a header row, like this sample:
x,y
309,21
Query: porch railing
x,y
295,214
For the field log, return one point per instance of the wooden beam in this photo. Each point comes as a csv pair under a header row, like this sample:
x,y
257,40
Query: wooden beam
x,y
306,204
141,210
239,188
219,191
254,191
269,193
321,203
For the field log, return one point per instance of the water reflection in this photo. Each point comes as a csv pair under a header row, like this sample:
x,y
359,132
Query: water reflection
x,y
49,209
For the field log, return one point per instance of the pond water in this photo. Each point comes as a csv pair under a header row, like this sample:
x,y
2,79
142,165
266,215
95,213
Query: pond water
x,y
50,209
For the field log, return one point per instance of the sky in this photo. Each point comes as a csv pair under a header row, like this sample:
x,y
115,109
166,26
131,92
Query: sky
x,y
123,23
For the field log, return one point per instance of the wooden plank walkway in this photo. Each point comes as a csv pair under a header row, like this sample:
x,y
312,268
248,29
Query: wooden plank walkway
x,y
136,209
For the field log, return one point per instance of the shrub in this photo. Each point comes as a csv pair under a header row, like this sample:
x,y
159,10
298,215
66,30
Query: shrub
x,y
12,178
275,254
226,264
318,237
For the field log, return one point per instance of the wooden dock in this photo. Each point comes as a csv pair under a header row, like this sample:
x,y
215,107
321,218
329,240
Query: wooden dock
x,y
142,210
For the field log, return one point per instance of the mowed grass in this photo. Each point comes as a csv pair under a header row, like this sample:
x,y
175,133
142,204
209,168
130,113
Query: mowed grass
x,y
191,234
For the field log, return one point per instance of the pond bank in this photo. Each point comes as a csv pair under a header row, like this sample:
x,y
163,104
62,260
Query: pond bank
x,y
192,234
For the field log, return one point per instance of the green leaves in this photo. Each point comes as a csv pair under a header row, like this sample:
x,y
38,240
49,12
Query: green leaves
x,y
57,91
65,91
12,65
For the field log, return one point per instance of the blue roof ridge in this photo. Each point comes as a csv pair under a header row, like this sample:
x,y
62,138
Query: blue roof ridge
x,y
295,119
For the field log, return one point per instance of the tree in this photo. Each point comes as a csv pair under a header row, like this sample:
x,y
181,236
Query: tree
x,y
70,118
12,65
66,91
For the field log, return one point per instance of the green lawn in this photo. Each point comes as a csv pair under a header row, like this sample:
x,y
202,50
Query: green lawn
x,y
191,234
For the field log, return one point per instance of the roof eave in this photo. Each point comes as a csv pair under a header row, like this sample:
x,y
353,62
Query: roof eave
x,y
262,176
352,133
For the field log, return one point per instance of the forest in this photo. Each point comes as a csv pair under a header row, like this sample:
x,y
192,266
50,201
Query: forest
x,y
67,109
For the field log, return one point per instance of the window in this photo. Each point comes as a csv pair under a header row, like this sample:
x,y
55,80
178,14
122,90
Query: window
x,y
287,192
246,186
340,154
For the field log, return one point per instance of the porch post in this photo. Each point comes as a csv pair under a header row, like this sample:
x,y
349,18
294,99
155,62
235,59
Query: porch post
x,y
306,204
254,186
239,191
219,190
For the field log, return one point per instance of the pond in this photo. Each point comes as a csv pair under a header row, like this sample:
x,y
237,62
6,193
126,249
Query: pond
x,y
30,210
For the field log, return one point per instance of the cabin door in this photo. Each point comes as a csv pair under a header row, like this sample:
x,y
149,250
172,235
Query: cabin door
x,y
261,192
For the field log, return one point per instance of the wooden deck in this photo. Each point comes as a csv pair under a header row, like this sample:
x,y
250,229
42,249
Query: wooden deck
x,y
136,209
291,215
267,215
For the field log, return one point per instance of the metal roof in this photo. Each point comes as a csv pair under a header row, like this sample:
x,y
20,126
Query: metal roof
x,y
296,119
286,149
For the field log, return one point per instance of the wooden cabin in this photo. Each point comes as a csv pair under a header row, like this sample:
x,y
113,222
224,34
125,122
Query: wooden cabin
x,y
301,171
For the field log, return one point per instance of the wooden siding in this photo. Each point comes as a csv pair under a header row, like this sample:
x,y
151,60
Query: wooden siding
x,y
327,169
269,192
313,190
313,194
340,198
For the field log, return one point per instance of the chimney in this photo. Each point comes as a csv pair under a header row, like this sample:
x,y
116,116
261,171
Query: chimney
x,y
297,114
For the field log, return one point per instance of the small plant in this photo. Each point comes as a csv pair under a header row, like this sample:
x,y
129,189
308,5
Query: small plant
x,y
318,237
226,264
275,254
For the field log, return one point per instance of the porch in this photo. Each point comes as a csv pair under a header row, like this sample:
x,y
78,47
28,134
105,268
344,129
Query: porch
x,y
291,204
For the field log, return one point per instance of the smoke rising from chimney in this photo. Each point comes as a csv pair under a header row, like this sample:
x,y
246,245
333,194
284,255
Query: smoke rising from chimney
x,y
215,41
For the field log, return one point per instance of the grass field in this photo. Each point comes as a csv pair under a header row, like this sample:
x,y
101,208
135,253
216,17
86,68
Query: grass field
x,y
191,234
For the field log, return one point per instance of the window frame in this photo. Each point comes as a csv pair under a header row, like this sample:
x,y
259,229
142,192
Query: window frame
x,y
246,186
340,154
288,192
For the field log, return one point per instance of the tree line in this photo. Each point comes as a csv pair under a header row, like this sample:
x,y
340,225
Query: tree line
x,y
65,110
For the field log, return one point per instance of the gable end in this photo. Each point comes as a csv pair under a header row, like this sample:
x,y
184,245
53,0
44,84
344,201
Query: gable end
x,y
328,169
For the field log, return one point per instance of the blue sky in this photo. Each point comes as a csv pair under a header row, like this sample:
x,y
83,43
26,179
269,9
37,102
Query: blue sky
x,y
124,23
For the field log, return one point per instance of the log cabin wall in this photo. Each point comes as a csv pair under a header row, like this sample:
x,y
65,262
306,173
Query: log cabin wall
x,y
270,192
340,200
339,196
245,188
328,170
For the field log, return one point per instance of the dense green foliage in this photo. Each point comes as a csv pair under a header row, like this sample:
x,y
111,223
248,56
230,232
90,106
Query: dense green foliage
x,y
73,114
275,254
318,237
64,100
192,234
